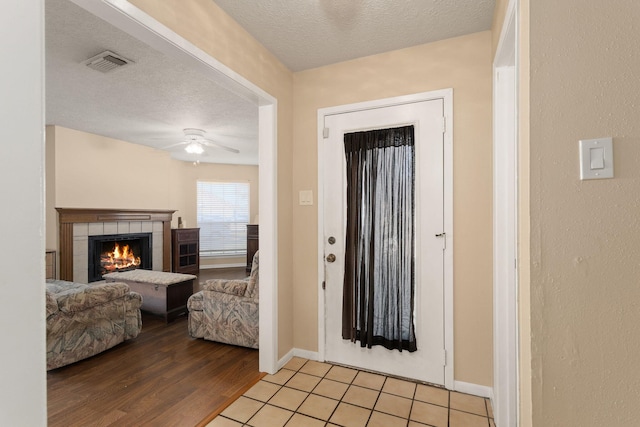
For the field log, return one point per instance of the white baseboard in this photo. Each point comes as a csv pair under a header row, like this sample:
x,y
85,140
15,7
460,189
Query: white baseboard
x,y
296,352
475,389
306,354
461,386
211,266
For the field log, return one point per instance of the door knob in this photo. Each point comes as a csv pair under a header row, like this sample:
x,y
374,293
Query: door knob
x,y
331,258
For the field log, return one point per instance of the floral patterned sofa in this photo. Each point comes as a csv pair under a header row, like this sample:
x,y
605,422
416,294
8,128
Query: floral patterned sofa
x,y
84,320
227,310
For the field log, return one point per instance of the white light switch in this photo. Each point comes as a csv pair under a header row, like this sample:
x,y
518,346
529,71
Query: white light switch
x,y
305,197
596,158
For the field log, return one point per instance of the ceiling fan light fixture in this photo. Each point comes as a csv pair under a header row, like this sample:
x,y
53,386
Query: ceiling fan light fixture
x,y
194,148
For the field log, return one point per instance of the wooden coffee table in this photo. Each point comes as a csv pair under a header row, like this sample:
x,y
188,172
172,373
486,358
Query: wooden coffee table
x,y
162,293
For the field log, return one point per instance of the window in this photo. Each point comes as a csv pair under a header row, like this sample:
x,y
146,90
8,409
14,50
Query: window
x,y
223,215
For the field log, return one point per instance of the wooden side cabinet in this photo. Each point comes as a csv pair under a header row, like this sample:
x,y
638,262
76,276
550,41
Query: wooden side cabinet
x,y
185,250
252,243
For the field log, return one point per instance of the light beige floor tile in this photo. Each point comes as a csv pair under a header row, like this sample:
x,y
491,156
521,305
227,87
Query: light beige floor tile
x,y
378,419
399,387
427,413
435,395
318,369
350,416
468,403
270,416
318,407
489,407
464,419
332,389
415,424
242,409
394,405
262,391
491,423
361,396
288,398
295,363
280,377
299,420
373,381
344,375
303,382
223,422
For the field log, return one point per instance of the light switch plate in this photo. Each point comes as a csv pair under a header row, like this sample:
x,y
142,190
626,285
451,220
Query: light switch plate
x,y
596,158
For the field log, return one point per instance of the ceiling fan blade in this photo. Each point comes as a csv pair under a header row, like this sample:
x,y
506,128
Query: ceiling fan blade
x,y
175,145
213,144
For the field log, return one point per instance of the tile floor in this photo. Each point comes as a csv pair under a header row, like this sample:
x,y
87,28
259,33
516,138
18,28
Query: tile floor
x,y
308,394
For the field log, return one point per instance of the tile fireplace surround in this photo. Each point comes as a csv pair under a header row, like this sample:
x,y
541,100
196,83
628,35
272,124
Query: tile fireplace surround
x,y
76,225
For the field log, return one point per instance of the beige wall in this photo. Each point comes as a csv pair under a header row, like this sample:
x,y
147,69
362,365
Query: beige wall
x,y
91,171
524,218
463,64
97,172
205,25
51,218
585,235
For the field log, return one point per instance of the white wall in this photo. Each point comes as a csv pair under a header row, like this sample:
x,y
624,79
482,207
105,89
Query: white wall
x,y
22,332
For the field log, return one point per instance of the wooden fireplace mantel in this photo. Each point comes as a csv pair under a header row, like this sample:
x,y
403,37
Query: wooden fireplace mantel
x,y
69,216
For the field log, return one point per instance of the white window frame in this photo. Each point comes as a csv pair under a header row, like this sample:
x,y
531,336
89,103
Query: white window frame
x,y
232,187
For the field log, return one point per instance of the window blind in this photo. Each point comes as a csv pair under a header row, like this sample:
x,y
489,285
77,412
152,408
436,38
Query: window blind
x,y
223,215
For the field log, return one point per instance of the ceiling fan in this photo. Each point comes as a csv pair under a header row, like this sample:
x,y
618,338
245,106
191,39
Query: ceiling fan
x,y
195,142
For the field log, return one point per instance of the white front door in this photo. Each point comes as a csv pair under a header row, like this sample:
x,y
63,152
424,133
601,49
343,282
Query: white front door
x,y
428,362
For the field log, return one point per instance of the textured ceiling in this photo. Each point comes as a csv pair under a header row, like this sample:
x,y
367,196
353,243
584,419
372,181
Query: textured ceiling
x,y
149,102
306,34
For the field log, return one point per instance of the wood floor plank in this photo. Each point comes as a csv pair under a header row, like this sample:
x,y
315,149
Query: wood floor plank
x,y
163,377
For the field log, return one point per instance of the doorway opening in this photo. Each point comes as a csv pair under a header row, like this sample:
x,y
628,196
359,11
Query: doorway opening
x,y
138,24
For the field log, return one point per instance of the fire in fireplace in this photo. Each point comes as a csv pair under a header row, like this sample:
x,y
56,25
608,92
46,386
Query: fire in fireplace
x,y
118,252
119,259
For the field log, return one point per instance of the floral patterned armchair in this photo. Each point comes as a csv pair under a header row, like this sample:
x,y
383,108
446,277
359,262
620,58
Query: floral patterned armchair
x,y
84,320
227,310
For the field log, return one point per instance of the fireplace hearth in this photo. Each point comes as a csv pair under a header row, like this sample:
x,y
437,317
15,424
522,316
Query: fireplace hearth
x,y
118,252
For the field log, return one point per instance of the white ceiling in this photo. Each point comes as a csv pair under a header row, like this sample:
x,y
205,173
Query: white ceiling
x,y
152,100
306,34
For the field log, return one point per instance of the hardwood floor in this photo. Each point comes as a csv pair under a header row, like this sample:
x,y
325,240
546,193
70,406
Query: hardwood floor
x,y
161,378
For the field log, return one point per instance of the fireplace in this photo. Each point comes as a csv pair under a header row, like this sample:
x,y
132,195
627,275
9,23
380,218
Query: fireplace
x,y
77,225
118,252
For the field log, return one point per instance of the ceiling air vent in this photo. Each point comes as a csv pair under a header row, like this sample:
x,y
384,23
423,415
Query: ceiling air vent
x,y
106,61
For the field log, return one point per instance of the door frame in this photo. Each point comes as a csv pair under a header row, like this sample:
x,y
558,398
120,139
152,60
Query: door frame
x,y
447,96
128,18
505,223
